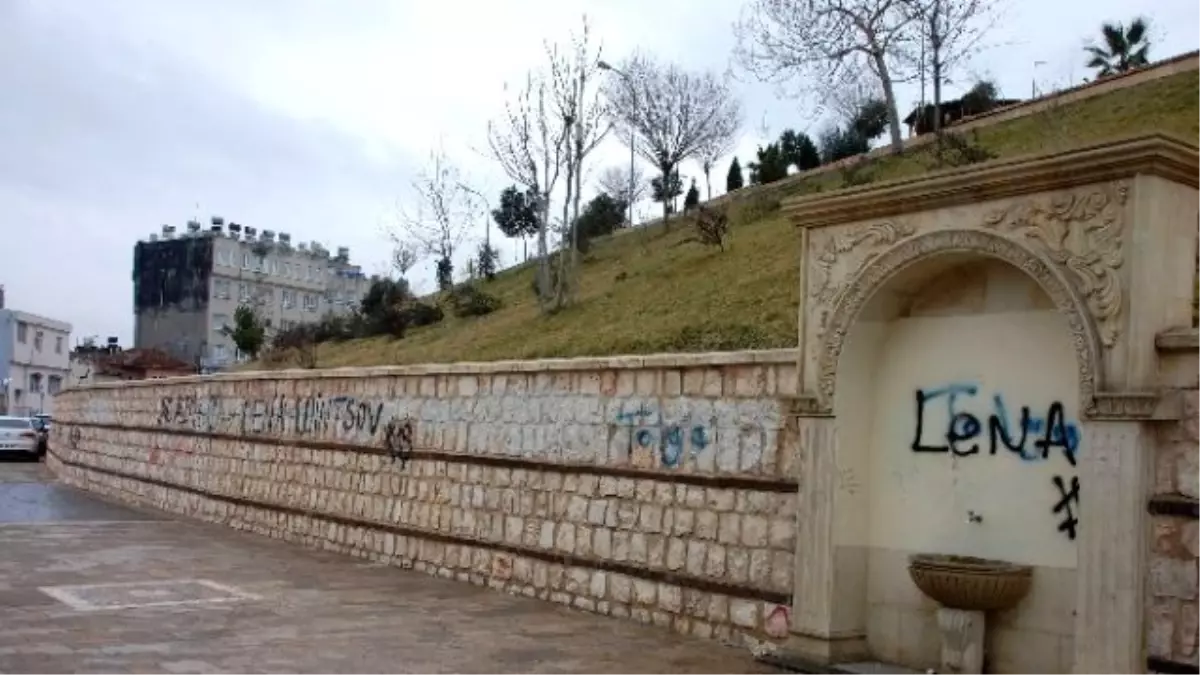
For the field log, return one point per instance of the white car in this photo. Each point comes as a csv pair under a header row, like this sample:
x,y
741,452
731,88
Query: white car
x,y
18,435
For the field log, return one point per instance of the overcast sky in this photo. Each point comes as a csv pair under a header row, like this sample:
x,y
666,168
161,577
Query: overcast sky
x,y
311,117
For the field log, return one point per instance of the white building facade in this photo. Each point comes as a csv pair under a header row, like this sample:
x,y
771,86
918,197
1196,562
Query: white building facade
x,y
34,362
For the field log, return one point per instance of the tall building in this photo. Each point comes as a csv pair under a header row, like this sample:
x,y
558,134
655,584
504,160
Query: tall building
x,y
34,361
187,286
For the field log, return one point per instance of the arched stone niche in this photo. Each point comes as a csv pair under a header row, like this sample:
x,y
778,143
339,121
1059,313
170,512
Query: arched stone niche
x,y
958,371
922,254
1016,279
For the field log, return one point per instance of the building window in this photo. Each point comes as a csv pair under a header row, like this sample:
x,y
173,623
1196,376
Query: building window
x,y
35,383
22,332
54,384
37,340
289,299
58,345
245,261
287,270
220,321
243,292
222,289
219,352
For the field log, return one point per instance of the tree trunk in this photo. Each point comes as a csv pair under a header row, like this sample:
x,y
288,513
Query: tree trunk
x,y
560,280
575,207
937,95
543,276
666,198
708,182
889,97
935,61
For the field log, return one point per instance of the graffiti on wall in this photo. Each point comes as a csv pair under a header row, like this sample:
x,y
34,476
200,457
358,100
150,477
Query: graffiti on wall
x,y
671,443
398,439
721,435
314,414
1031,437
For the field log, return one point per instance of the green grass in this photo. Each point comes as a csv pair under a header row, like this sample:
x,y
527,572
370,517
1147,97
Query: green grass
x,y
652,291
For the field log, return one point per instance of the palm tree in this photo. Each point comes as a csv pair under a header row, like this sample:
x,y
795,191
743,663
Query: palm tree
x,y
1125,48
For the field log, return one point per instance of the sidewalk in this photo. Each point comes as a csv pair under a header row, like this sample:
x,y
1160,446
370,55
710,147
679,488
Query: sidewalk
x,y
88,586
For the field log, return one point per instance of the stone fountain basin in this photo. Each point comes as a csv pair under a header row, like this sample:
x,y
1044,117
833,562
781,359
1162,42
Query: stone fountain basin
x,y
969,583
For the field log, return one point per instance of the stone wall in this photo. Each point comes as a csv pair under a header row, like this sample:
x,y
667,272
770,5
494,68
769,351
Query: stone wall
x,y
656,488
1171,627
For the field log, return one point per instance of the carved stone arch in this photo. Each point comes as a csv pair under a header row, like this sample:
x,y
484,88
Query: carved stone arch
x,y
881,270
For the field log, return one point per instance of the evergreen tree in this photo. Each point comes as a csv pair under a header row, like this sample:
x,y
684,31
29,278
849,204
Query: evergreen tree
x,y
667,195
734,180
692,200
772,165
799,150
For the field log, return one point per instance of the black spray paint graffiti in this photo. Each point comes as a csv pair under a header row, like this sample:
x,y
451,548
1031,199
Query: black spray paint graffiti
x,y
306,415
398,439
1068,499
962,437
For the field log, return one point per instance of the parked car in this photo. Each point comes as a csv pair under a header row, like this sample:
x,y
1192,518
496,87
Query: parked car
x,y
18,435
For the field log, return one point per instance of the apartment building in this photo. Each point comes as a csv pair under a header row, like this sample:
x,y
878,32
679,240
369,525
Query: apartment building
x,y
188,285
34,361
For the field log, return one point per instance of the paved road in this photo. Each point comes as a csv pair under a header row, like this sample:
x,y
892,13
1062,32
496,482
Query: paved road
x,y
89,586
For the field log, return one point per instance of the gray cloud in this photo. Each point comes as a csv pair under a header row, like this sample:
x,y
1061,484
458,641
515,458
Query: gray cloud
x,y
309,116
102,145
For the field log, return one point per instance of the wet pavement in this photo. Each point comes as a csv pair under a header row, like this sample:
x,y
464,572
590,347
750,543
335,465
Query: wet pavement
x,y
90,586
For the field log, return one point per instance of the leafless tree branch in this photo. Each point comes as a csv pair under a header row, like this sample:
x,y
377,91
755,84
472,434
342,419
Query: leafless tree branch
x,y
615,182
673,112
584,114
950,33
827,41
441,213
719,144
530,143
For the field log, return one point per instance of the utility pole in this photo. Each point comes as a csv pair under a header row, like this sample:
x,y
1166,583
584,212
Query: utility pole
x,y
604,65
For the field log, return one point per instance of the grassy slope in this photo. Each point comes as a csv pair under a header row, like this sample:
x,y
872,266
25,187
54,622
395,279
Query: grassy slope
x,y
650,291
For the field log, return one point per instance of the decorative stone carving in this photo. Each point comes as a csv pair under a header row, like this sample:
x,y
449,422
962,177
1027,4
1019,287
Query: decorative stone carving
x,y
888,263
829,282
1081,232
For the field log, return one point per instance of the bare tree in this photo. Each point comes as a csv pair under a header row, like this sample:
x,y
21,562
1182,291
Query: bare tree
x,y
950,32
405,255
441,218
614,181
530,145
585,118
830,41
856,91
673,112
721,142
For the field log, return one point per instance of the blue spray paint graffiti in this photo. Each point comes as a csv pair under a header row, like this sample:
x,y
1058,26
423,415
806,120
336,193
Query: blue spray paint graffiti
x,y
649,432
1052,432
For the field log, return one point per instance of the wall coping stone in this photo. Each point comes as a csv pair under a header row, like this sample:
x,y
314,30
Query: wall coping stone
x,y
583,363
1178,340
1155,154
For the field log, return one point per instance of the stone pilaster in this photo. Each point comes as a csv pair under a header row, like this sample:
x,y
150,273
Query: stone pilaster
x,y
1114,469
821,631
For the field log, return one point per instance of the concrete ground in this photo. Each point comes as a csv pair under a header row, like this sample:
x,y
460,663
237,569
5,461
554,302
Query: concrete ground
x,y
90,586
